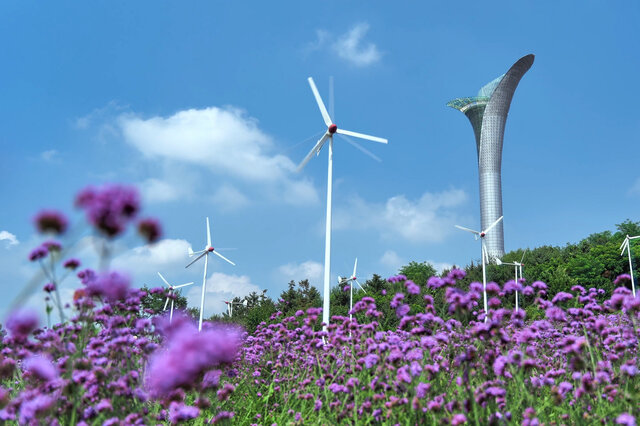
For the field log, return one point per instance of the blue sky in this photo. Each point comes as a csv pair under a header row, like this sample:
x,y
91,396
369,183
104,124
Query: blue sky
x,y
205,107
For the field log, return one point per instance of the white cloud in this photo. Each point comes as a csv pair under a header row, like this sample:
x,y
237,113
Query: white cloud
x,y
220,287
228,198
224,140
159,191
635,188
426,220
313,271
352,48
440,266
391,260
9,238
50,155
148,259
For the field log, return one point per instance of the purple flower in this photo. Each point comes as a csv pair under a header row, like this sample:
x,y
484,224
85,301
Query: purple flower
x,y
371,360
622,277
110,285
317,405
34,407
561,297
40,367
402,310
422,389
38,253
22,322
539,285
493,288
412,288
150,230
52,246
188,354
51,221
71,264
109,208
179,412
626,419
222,415
458,419
49,287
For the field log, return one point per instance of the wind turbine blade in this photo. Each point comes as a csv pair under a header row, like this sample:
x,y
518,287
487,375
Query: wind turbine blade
x,y
485,254
323,110
361,148
332,111
624,247
222,257
208,234
360,285
498,261
165,281
361,136
633,238
196,259
165,304
467,229
626,241
314,150
355,265
493,224
182,285
523,253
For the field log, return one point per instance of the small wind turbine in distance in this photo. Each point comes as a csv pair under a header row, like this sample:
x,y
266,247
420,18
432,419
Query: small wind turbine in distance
x,y
332,129
230,306
515,265
480,235
208,249
170,293
623,247
350,281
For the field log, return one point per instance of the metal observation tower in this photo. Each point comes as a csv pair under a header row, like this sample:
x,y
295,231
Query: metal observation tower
x,y
487,113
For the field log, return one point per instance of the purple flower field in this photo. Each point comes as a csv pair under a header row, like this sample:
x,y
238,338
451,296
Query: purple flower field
x,y
110,363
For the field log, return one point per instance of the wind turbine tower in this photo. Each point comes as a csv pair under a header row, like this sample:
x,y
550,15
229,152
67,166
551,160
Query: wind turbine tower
x,y
487,113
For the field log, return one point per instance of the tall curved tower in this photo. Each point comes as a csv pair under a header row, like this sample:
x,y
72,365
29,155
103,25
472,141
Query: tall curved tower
x,y
487,113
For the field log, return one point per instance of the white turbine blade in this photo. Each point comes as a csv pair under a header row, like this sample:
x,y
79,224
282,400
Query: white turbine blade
x,y
624,247
626,241
523,253
193,253
208,234
498,261
361,136
467,229
182,285
633,238
190,251
314,150
165,281
222,257
360,285
323,110
485,254
332,111
361,148
493,224
196,259
165,304
355,265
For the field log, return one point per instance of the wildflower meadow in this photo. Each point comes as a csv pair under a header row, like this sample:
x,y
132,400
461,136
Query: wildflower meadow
x,y
109,360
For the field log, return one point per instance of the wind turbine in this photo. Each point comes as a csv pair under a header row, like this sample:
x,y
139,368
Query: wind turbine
x,y
480,235
351,280
171,288
332,129
623,247
230,306
515,264
208,249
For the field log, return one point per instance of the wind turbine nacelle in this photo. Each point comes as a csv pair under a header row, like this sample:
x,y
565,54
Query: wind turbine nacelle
x,y
332,129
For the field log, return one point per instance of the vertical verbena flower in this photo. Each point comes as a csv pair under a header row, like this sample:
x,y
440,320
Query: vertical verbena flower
x,y
626,419
38,253
49,287
458,419
41,367
412,288
34,407
22,322
561,297
51,221
52,246
71,264
109,208
179,412
187,355
112,286
150,230
622,277
222,415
